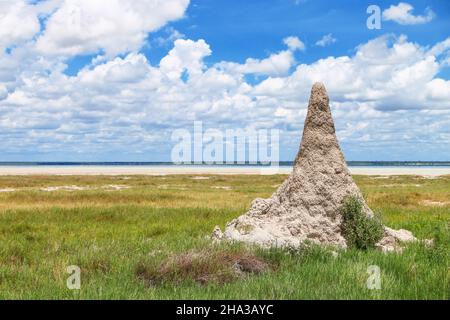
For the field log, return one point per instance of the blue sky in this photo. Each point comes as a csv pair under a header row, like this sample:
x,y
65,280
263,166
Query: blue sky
x,y
83,82
236,30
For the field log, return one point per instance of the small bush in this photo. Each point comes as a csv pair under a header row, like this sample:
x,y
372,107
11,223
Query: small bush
x,y
360,230
203,267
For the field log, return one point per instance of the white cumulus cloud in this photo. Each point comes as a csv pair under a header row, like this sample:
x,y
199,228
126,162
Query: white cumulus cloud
x,y
402,14
294,43
186,55
86,26
18,22
276,64
326,40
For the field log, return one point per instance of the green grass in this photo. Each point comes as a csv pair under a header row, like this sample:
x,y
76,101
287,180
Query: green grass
x,y
110,234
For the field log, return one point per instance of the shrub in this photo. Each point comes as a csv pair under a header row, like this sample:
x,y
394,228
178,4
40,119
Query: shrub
x,y
203,267
360,230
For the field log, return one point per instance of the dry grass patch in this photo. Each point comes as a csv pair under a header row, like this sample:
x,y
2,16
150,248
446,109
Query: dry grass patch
x,y
203,267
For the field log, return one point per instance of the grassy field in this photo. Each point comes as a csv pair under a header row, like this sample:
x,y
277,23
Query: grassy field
x,y
144,237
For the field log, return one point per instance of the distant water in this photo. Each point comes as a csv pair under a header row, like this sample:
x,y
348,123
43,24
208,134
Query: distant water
x,y
282,163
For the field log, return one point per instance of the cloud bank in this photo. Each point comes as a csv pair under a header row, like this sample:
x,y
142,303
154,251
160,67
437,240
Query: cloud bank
x,y
122,107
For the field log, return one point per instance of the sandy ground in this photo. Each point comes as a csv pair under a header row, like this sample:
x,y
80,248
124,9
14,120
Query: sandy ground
x,y
167,170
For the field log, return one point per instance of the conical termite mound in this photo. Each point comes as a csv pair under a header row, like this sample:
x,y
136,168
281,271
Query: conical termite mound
x,y
308,205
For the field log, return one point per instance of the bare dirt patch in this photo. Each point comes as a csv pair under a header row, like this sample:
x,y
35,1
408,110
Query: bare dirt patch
x,y
432,203
400,185
203,267
172,186
65,188
114,187
222,187
109,187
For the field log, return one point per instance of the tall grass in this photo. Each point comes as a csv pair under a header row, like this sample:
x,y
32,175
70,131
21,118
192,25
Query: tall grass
x,y
109,234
